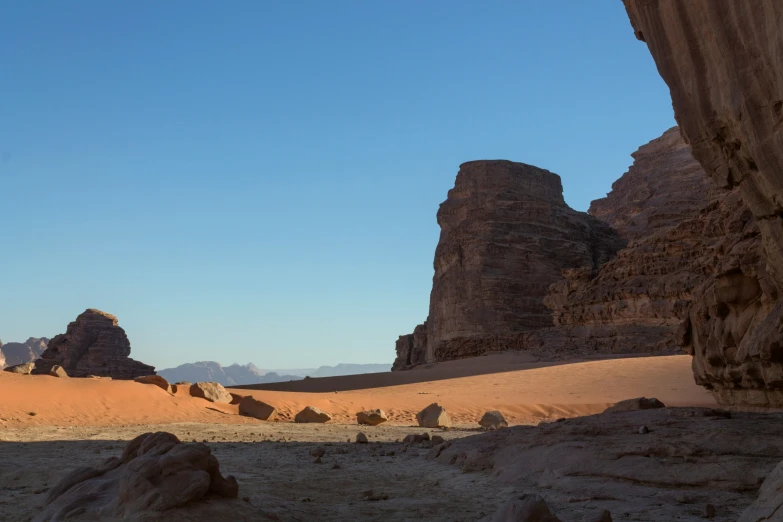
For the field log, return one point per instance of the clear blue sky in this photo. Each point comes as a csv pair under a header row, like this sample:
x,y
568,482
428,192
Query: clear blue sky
x,y
258,181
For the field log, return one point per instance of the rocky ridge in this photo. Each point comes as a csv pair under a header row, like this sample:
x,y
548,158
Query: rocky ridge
x,y
21,353
93,344
724,70
506,235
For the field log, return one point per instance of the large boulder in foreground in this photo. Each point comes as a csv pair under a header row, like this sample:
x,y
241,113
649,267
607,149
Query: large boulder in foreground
x,y
211,391
433,416
93,344
311,414
156,472
724,69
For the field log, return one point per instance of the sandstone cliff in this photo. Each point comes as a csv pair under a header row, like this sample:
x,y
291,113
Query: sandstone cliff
x,y
724,67
506,235
93,344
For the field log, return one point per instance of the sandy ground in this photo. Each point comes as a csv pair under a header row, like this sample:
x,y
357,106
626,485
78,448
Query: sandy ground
x,y
50,426
536,392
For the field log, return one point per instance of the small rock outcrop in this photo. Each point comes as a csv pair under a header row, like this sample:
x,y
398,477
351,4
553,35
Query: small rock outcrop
x,y
155,380
506,235
361,438
23,369
211,391
312,414
58,371
156,472
639,403
93,344
371,417
493,420
249,406
433,416
724,70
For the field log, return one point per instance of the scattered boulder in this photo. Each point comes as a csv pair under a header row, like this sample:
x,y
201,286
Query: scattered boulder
x,y
639,403
22,369
371,417
415,438
527,508
361,438
252,407
493,420
433,416
57,371
643,430
156,472
157,380
211,391
437,439
318,452
312,414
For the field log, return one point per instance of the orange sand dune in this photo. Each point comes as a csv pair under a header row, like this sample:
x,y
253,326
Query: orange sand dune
x,y
523,395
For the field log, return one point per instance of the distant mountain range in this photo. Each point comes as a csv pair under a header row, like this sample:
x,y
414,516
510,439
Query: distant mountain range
x,y
237,374
12,354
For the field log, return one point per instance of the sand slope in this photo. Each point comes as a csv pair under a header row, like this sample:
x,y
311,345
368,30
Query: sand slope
x,y
525,395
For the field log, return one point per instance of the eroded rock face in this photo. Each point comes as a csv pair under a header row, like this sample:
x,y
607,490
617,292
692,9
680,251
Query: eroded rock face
x,y
506,234
211,391
93,344
724,68
156,473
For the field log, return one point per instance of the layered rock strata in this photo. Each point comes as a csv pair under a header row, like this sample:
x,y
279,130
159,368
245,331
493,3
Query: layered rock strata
x,y
94,344
723,64
506,235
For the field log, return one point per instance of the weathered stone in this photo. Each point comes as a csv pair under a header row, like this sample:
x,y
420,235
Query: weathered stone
x,y
639,403
506,234
210,391
361,438
526,508
371,417
252,407
769,504
156,380
493,420
156,473
58,371
415,438
312,414
92,345
23,369
724,70
433,416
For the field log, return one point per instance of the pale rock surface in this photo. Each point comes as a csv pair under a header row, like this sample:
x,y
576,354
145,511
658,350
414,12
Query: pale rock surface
x,y
24,369
156,472
93,344
769,504
371,417
252,407
211,391
312,414
493,420
724,70
433,416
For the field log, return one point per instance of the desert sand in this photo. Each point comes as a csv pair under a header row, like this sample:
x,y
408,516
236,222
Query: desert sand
x,y
54,425
535,392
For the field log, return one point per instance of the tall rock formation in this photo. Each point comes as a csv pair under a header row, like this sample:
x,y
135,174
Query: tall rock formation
x,y
506,235
679,227
92,345
723,63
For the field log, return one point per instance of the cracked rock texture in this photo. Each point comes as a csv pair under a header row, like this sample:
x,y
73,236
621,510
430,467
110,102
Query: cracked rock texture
x,y
723,63
506,235
690,457
93,344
